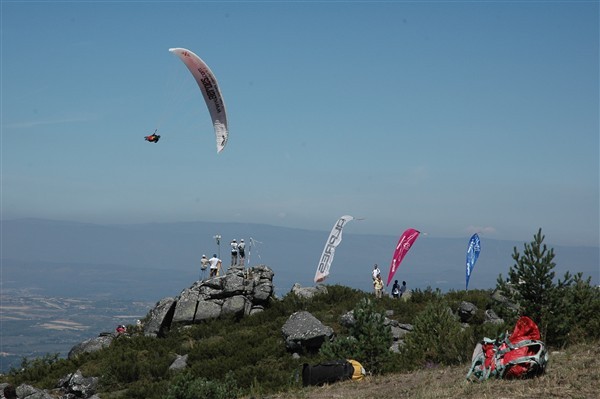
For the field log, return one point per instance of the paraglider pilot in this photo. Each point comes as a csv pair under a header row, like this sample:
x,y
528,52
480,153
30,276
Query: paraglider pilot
x,y
153,138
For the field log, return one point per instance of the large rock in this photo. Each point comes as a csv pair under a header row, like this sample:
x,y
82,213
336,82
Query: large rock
x,y
466,311
302,330
90,345
78,386
235,305
498,296
207,310
240,292
156,318
29,392
308,292
179,363
490,317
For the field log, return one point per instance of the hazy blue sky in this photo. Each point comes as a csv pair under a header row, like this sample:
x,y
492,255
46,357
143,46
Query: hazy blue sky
x,y
448,117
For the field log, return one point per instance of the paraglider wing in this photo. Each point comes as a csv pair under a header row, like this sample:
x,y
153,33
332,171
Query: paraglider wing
x,y
404,243
335,237
210,90
472,255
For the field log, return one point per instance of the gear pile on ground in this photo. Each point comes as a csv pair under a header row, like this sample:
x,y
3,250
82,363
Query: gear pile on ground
x,y
520,355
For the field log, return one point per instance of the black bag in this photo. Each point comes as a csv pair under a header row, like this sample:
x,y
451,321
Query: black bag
x,y
326,373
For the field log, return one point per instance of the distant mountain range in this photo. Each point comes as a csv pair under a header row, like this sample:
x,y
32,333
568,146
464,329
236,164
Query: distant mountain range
x,y
155,260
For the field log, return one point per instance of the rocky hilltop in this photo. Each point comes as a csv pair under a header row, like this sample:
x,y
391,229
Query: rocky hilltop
x,y
239,292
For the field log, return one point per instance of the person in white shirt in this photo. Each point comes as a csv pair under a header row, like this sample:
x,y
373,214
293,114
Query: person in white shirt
x,y
234,252
215,265
376,271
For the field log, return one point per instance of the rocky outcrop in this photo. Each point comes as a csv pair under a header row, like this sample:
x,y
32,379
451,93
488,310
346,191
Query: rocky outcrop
x,y
179,363
72,386
308,292
77,386
303,331
490,317
240,292
500,298
157,316
90,345
466,311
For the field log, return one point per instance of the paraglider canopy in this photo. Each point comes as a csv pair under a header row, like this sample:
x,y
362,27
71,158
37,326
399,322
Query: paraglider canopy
x,y
210,91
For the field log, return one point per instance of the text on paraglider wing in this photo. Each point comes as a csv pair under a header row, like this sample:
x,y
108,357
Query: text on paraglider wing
x,y
210,89
331,244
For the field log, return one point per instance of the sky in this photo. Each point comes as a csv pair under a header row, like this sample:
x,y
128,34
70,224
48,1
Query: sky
x,y
451,117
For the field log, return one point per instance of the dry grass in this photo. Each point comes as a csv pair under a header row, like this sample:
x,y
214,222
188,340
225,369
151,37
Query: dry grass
x,y
573,373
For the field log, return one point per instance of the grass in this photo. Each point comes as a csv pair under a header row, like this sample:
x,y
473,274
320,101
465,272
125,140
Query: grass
x,y
572,373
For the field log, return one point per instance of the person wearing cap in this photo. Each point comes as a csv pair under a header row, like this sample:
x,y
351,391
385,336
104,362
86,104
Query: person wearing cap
x,y
234,252
241,251
215,264
203,265
204,262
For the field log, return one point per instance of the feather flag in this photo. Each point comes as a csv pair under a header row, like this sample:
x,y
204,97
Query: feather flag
x,y
404,243
472,255
335,237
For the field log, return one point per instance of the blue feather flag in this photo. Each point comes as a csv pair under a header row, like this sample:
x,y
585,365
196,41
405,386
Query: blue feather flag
x,y
472,255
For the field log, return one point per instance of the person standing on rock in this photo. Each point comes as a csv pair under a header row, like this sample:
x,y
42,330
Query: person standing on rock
x,y
203,266
234,252
215,265
242,251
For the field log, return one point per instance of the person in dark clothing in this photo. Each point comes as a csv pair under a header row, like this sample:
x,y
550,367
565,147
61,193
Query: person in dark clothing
x,y
153,138
396,289
403,288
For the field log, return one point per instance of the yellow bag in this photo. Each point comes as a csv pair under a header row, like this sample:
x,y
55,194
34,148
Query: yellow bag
x,y
359,372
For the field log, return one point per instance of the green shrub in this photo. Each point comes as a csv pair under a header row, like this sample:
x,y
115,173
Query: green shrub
x,y
437,338
368,342
186,386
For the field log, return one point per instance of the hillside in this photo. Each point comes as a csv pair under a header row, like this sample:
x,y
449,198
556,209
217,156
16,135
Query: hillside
x,y
571,373
247,356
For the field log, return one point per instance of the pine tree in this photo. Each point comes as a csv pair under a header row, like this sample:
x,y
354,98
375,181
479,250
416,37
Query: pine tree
x,y
531,282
